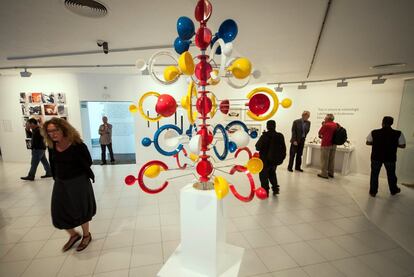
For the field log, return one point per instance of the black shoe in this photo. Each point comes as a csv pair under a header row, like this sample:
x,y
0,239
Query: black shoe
x,y
46,176
275,192
330,176
372,194
321,176
27,178
396,192
299,169
290,170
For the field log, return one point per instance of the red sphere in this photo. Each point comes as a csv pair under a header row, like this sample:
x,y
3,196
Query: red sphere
x,y
166,105
225,106
203,37
203,70
204,168
261,193
204,105
203,11
206,137
130,180
259,104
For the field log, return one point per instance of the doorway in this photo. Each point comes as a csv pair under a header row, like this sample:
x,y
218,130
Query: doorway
x,y
123,139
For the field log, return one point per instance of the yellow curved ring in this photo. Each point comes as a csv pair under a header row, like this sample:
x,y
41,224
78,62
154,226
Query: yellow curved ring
x,y
191,91
214,105
141,101
269,92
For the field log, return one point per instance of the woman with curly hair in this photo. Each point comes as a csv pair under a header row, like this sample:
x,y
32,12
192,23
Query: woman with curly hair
x,y
73,200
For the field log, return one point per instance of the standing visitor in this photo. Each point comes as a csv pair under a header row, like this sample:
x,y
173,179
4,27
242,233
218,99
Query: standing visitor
x,y
326,133
300,128
105,132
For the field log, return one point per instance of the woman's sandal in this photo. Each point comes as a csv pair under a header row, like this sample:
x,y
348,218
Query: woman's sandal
x,y
72,240
84,242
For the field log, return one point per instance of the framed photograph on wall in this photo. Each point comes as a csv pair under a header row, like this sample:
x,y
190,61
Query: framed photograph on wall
x,y
36,97
60,98
35,110
255,127
48,98
234,114
50,109
28,143
23,97
25,109
62,110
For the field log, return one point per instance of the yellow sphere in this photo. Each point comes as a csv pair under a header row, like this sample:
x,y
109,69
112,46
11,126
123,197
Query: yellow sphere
x,y
133,108
241,68
286,103
171,73
152,171
186,63
254,165
193,157
221,187
184,102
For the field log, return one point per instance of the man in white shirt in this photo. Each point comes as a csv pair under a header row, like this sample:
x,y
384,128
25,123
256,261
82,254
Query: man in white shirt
x,y
105,132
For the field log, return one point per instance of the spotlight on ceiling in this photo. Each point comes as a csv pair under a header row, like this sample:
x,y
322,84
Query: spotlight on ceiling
x,y
302,86
104,45
342,84
25,73
279,88
379,80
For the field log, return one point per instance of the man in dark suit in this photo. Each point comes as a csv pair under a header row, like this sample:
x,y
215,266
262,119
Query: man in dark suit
x,y
300,128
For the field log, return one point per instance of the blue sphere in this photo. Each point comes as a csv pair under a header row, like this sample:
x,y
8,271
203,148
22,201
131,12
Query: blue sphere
x,y
181,46
228,30
232,146
185,28
146,141
253,134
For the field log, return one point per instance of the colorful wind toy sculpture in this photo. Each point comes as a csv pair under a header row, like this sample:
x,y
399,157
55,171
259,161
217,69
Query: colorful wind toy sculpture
x,y
262,104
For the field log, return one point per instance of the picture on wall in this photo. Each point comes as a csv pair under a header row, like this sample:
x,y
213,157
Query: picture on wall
x,y
36,97
35,110
51,109
28,143
255,127
25,109
62,110
24,121
61,98
23,97
48,98
234,114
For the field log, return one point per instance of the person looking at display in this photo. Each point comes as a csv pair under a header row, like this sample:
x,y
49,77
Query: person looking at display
x,y
300,128
385,142
328,149
272,150
73,200
105,132
38,150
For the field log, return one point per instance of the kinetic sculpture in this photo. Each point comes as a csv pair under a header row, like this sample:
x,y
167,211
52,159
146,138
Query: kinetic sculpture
x,y
262,104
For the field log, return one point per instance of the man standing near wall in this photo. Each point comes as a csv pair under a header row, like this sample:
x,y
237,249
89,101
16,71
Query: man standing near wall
x,y
38,151
326,133
385,142
105,132
300,128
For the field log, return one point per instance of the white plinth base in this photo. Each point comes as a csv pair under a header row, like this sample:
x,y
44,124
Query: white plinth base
x,y
203,250
174,266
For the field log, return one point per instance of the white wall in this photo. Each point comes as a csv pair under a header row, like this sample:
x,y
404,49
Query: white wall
x,y
372,102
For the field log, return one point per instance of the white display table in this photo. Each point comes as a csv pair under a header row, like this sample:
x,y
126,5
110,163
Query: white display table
x,y
312,153
203,250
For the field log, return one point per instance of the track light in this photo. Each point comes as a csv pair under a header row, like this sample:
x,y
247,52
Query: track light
x,y
104,45
25,73
342,84
379,80
302,86
279,88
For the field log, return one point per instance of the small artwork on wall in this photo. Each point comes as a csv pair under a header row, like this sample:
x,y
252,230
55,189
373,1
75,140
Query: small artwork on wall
x,y
51,109
234,114
60,97
25,109
23,97
35,110
62,110
36,97
255,127
48,98
25,119
29,143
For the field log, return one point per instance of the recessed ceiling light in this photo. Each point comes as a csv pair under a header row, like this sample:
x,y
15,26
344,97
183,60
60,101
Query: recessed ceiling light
x,y
279,88
302,86
378,81
388,65
342,84
88,8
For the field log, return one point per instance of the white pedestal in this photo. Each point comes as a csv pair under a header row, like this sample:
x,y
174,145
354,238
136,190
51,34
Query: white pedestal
x,y
203,250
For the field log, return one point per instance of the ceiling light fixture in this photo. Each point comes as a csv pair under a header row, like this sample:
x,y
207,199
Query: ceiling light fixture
x,y
88,8
25,73
379,80
388,65
279,88
342,84
302,86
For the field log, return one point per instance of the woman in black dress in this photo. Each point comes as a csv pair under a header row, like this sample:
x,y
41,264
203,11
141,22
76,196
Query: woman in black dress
x,y
73,200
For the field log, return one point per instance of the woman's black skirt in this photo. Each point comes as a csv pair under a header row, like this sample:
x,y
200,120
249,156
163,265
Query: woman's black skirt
x,y
73,202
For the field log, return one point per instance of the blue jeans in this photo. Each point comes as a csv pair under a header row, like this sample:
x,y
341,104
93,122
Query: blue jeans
x,y
375,171
38,155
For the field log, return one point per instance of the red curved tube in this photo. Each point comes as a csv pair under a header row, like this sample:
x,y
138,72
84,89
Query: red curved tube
x,y
141,177
178,159
249,198
243,149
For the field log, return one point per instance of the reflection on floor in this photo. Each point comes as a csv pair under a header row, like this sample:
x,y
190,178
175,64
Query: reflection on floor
x,y
314,227
128,158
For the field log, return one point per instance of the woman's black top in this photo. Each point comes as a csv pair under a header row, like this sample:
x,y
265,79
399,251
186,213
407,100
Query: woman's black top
x,y
73,162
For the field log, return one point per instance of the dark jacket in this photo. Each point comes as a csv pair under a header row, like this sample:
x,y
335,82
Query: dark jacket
x,y
37,140
385,144
272,148
297,130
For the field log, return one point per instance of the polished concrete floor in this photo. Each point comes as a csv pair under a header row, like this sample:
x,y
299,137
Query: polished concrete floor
x,y
315,227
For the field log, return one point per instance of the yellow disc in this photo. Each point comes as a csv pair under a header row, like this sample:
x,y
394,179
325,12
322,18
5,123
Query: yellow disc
x,y
286,103
171,73
152,171
193,157
241,68
213,105
254,165
186,63
133,108
221,187
141,101
214,81
192,91
269,92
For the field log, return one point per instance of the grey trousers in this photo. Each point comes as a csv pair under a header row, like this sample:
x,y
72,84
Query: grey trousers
x,y
328,160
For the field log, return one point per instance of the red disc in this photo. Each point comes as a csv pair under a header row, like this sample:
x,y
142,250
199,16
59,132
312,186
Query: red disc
x,y
204,105
204,168
202,70
203,11
259,104
206,137
166,105
224,106
130,180
203,37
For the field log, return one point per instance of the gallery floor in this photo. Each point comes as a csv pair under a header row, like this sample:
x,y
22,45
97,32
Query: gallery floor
x,y
315,227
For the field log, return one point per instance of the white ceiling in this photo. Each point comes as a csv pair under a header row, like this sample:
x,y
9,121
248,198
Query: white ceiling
x,y
279,36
